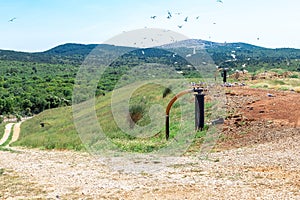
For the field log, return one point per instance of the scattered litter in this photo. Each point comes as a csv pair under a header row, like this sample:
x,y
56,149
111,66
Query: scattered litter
x,y
217,121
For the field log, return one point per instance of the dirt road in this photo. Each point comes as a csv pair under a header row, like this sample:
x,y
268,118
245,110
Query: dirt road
x,y
264,171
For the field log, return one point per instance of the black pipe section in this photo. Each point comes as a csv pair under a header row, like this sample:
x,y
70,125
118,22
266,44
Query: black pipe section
x,y
199,111
224,75
167,126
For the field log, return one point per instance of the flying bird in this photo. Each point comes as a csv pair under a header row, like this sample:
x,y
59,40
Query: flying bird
x,y
186,19
219,1
153,17
12,19
197,17
179,26
169,15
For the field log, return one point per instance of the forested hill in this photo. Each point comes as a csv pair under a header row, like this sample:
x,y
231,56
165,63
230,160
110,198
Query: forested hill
x,y
63,54
33,82
75,53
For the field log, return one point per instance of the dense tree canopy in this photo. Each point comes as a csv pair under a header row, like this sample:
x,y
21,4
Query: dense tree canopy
x,y
33,82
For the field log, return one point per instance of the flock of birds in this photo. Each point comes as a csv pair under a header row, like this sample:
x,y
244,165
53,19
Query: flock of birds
x,y
170,15
186,19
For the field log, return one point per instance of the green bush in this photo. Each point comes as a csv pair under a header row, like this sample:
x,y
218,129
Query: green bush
x,y
166,92
294,76
136,113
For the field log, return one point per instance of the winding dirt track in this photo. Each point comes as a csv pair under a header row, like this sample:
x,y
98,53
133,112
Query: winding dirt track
x,y
16,132
7,131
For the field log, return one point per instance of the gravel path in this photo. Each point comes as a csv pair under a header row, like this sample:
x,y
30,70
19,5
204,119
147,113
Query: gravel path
x,y
263,171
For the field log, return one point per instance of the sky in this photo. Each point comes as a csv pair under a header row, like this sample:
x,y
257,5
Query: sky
x,y
38,25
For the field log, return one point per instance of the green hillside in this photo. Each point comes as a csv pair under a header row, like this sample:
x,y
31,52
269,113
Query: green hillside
x,y
33,82
59,131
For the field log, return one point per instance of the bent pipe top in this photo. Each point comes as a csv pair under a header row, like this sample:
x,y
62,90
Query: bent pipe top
x,y
199,90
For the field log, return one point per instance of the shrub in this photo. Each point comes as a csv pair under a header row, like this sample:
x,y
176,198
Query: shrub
x,y
166,92
136,113
294,76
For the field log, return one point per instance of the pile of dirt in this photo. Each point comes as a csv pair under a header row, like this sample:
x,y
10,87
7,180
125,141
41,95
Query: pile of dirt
x,y
259,116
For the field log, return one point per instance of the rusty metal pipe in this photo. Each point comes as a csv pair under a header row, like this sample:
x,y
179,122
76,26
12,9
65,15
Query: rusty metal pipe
x,y
170,106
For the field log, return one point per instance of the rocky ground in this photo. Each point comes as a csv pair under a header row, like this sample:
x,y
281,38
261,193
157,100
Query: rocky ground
x,y
257,157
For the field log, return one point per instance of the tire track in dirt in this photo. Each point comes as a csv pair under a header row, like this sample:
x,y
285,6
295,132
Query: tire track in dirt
x,y
16,132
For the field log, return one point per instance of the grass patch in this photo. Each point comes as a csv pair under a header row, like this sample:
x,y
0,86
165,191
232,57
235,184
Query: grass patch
x,y
58,133
146,106
277,84
2,148
278,71
9,137
1,171
2,129
295,76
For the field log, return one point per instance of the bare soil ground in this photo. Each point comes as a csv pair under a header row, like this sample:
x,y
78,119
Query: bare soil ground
x,y
258,157
259,116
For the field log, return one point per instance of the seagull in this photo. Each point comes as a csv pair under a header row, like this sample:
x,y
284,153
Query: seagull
x,y
219,1
186,19
12,19
153,17
169,15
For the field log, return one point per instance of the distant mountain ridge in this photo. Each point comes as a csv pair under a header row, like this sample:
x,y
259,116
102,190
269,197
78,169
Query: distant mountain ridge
x,y
71,49
198,43
72,53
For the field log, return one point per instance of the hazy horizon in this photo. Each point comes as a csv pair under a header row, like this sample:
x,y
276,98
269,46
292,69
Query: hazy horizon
x,y
43,50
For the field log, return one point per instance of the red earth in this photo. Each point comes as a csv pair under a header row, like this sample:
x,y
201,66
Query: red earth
x,y
259,116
